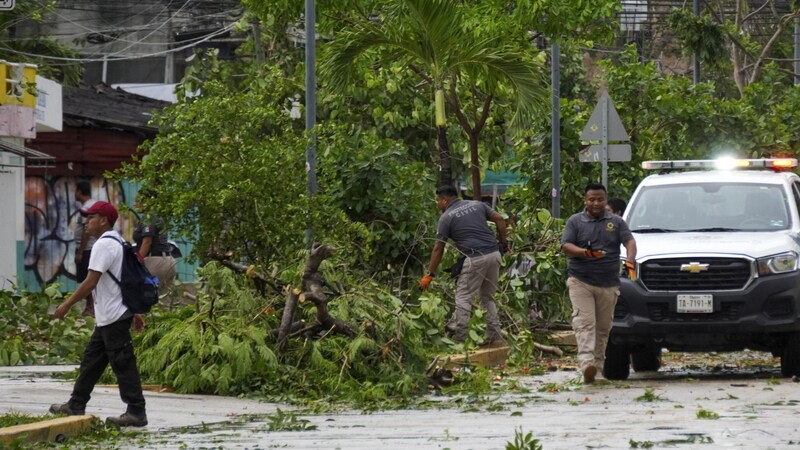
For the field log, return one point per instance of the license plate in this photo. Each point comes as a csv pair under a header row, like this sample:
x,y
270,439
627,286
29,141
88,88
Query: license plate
x,y
695,303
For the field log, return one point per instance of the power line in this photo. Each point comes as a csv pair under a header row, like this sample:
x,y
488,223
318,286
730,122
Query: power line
x,y
121,58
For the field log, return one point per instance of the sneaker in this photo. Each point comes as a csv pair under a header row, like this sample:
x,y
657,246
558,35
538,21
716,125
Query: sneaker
x,y
64,408
128,420
589,372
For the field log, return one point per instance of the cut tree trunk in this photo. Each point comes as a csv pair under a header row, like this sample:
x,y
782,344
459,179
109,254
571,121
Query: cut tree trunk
x,y
313,282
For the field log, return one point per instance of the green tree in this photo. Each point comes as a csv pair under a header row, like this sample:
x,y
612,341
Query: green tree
x,y
751,38
44,51
228,169
431,37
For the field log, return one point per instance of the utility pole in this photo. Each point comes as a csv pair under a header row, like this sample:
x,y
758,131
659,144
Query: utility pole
x,y
258,48
695,60
797,51
311,109
555,130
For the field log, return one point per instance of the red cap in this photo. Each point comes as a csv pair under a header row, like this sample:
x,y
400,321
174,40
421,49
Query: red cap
x,y
104,209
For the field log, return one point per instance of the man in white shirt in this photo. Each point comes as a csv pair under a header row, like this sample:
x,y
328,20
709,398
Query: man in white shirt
x,y
111,341
83,241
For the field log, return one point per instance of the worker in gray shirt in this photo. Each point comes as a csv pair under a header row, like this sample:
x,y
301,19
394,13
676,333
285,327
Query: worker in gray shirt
x,y
592,240
465,222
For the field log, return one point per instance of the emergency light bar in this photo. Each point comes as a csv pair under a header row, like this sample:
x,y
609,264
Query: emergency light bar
x,y
724,163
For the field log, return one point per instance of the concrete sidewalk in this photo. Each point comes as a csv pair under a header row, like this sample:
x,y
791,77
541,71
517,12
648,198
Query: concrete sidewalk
x,y
31,390
719,407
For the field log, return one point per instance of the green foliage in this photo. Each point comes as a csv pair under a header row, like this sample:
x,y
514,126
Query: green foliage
x,y
14,418
523,441
473,67
669,118
283,421
216,349
535,236
522,349
375,182
231,163
34,336
38,49
225,346
706,414
561,19
649,396
699,35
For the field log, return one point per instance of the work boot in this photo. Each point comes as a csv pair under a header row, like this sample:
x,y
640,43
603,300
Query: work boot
x,y
589,373
64,408
128,420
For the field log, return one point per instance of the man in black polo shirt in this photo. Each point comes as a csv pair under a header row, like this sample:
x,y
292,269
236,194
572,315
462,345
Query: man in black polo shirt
x,y
592,241
464,221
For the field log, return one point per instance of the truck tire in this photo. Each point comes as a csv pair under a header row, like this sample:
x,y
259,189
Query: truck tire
x,y
618,362
790,359
646,359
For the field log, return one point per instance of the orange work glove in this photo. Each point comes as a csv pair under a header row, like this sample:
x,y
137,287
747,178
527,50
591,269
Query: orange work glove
x,y
425,282
631,269
589,253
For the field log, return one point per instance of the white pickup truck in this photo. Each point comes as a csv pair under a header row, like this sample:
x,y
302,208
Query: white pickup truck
x,y
717,261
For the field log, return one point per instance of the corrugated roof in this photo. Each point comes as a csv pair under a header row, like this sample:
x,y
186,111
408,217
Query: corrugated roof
x,y
102,106
33,158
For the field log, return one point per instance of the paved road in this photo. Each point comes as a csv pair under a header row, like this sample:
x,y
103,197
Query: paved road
x,y
726,406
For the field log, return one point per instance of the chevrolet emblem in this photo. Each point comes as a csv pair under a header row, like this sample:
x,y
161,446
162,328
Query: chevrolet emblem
x,y
694,267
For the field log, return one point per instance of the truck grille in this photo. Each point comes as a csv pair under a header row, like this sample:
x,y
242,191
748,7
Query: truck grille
x,y
721,274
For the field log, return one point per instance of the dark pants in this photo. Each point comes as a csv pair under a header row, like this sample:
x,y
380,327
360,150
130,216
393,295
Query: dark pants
x,y
82,268
110,344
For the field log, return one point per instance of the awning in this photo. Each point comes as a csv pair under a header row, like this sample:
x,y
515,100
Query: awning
x,y
33,158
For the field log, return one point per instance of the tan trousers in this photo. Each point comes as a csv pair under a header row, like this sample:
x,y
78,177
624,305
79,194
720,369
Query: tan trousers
x,y
478,278
162,267
592,312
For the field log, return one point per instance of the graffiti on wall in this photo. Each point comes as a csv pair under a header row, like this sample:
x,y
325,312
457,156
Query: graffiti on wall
x,y
51,212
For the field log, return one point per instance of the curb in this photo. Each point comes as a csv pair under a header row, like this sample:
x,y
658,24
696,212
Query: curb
x,y
53,430
486,357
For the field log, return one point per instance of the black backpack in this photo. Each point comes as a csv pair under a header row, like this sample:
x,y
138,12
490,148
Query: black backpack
x,y
139,288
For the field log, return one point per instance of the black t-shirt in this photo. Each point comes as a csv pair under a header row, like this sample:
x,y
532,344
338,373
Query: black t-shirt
x,y
154,228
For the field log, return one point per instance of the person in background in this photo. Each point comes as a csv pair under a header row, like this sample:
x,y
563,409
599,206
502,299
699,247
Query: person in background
x,y
592,241
152,243
465,222
83,241
111,341
616,206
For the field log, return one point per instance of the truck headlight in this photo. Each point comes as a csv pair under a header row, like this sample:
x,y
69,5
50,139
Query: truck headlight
x,y
785,262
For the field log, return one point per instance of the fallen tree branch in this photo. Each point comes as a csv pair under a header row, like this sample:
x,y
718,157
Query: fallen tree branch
x,y
225,260
549,349
287,318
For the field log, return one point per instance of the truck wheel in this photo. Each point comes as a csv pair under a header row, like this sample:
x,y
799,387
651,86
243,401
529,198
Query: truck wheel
x,y
790,359
646,359
617,366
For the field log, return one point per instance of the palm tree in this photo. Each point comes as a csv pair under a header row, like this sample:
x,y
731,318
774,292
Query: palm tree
x,y
429,37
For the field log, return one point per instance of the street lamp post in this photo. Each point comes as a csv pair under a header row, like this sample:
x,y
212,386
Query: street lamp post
x,y
311,109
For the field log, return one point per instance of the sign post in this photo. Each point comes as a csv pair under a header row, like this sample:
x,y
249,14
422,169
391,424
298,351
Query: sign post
x,y
604,125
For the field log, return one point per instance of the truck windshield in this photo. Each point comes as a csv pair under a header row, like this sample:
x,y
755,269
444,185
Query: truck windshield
x,y
709,207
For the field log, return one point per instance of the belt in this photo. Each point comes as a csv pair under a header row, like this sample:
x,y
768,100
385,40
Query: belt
x,y
472,253
160,254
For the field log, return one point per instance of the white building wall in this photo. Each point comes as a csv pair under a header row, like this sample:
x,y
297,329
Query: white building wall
x,y
12,225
